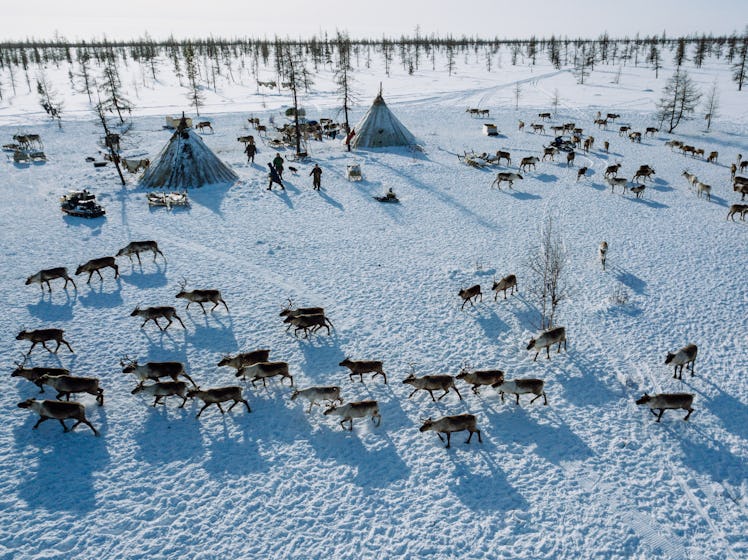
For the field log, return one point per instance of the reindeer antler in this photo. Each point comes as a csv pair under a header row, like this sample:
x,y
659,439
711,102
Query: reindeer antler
x,y
183,283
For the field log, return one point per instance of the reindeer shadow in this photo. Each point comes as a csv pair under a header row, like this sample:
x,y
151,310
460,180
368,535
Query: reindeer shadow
x,y
482,493
718,200
66,465
146,280
519,195
648,202
714,459
378,466
546,178
629,280
206,336
321,356
489,321
101,299
46,310
168,435
232,455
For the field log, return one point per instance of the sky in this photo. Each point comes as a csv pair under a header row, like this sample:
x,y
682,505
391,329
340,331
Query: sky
x,y
87,19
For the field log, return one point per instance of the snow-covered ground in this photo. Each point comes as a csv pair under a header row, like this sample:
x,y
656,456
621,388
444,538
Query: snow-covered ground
x,y
591,475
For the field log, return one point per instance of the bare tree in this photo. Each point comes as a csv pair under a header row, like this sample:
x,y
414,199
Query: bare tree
x,y
555,101
343,77
546,265
112,86
739,66
711,106
100,110
679,100
48,98
582,62
517,94
195,95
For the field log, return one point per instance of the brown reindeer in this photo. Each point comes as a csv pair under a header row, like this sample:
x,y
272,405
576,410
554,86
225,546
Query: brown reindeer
x,y
203,125
41,336
58,410
44,276
153,314
137,247
200,297
468,294
95,265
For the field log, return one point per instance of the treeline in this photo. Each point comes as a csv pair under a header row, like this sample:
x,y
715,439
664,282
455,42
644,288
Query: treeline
x,y
206,63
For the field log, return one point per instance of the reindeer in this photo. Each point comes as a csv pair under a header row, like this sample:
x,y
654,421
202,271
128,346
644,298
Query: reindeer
x,y
588,143
635,137
691,178
137,247
741,209
68,384
612,116
667,401
651,130
153,313
468,294
244,359
581,173
570,158
673,144
34,374
703,188
546,339
503,285
638,190
41,336
200,297
58,410
95,265
314,394
360,409
204,124
733,171
602,252
683,357
308,323
537,127
522,387
154,370
606,147
505,176
218,395
601,123
623,130
360,367
480,378
161,389
527,162
449,424
544,116
549,152
431,383
612,170
44,276
521,126
617,181
503,155
263,370
644,171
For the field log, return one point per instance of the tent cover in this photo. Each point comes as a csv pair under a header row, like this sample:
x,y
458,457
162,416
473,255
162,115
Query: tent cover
x,y
380,128
186,161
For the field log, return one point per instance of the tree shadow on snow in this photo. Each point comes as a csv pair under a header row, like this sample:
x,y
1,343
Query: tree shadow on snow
x,y
490,322
48,310
62,479
629,280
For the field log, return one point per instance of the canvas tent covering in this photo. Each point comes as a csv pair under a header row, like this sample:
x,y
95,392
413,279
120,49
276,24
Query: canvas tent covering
x,y
380,128
185,162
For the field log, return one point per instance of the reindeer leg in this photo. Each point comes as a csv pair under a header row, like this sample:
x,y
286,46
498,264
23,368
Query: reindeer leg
x,y
469,437
220,408
232,406
42,419
458,393
180,321
536,398
449,440
246,403
690,410
66,344
517,399
442,395
548,352
206,405
139,261
536,355
226,306
202,307
64,427
662,411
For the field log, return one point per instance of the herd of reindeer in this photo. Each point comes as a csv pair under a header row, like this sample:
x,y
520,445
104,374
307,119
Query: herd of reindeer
x,y
255,365
611,175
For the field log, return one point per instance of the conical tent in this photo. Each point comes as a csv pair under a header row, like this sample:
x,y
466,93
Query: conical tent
x,y
185,162
380,128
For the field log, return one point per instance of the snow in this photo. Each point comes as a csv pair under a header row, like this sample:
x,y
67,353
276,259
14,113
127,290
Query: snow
x,y
589,475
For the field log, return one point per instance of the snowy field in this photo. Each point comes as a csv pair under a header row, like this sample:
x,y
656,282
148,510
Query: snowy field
x,y
591,475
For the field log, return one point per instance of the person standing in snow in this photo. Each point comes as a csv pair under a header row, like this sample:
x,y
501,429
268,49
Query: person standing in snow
x,y
274,178
250,150
278,164
316,175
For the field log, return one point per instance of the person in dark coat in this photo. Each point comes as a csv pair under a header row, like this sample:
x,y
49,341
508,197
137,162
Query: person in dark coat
x,y
316,175
274,178
250,150
278,164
